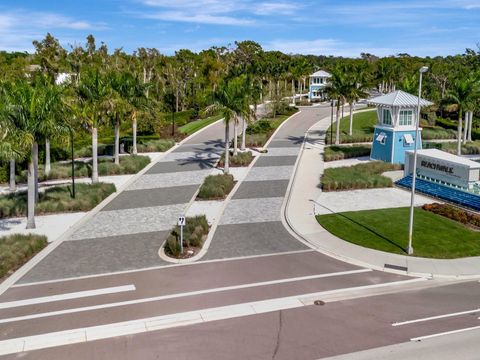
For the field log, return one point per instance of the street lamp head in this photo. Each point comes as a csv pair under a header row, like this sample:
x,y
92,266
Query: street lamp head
x,y
423,69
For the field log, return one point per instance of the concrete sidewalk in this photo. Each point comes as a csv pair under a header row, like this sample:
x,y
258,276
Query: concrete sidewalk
x,y
299,214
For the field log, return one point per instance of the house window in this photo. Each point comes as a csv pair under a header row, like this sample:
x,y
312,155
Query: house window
x,y
406,117
387,117
408,140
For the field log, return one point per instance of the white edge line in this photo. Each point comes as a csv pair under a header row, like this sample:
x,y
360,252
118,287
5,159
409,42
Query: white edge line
x,y
176,296
67,296
420,338
435,317
131,327
159,268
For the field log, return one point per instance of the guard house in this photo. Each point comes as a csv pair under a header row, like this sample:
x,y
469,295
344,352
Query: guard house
x,y
395,131
318,83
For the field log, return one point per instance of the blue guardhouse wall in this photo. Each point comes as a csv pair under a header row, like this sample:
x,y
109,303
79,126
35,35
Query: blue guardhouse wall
x,y
394,148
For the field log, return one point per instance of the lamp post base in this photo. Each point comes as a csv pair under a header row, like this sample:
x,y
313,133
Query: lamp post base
x,y
410,250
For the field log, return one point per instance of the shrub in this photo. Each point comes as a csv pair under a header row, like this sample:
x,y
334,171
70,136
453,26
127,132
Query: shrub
x,y
241,159
194,234
159,145
56,199
16,250
333,153
361,176
4,172
454,213
260,127
216,187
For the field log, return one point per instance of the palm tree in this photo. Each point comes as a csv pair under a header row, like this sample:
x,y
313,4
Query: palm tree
x,y
229,99
354,91
337,90
462,93
28,108
92,92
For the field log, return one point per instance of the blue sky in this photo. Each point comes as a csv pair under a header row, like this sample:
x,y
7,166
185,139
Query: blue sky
x,y
342,27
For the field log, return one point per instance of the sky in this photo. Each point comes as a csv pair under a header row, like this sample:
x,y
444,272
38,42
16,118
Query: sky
x,y
341,28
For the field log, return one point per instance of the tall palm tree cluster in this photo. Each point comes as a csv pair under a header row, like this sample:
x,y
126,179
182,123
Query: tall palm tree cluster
x,y
47,96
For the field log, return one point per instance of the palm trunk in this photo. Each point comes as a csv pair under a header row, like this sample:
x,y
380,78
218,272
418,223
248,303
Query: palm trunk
x,y
470,126
134,131
35,169
235,140
337,132
244,128
117,142
466,116
47,157
13,185
293,91
459,135
227,148
94,156
350,129
31,193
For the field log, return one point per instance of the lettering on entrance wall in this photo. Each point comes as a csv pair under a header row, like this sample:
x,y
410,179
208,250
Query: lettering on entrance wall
x,y
443,168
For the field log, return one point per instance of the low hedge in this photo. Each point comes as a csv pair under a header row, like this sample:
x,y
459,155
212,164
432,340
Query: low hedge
x,y
216,187
17,249
333,153
195,232
361,176
470,148
454,213
241,159
56,200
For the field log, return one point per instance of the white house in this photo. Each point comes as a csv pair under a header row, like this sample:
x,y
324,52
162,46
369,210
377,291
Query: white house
x,y
318,83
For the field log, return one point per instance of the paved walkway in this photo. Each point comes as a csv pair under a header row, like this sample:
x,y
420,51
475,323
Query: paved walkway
x,y
251,223
128,231
299,214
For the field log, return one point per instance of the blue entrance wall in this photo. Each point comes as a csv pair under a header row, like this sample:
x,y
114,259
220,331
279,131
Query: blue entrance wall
x,y
394,146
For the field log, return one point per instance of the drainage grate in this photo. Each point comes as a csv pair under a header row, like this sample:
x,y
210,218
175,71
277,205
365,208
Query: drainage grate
x,y
396,267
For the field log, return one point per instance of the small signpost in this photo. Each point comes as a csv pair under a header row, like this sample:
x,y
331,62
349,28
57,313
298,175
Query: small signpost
x,y
181,222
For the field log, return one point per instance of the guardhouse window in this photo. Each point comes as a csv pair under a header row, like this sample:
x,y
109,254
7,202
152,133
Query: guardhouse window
x,y
406,117
387,117
381,138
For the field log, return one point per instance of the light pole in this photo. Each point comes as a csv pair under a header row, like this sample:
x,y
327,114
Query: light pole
x,y
422,70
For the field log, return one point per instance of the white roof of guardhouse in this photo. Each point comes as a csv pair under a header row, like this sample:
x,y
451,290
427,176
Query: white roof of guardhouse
x,y
321,73
398,98
442,155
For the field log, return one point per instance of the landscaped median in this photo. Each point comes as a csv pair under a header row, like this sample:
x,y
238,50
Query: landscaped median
x,y
361,176
56,199
16,250
216,187
239,160
387,230
195,233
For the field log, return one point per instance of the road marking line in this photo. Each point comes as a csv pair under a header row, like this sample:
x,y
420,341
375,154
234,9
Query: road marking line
x,y
420,338
152,268
67,296
168,321
435,317
179,295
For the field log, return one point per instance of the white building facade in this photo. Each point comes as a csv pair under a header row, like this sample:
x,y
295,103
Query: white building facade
x,y
318,83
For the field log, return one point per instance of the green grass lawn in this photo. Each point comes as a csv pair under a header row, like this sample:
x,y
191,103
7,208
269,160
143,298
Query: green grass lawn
x,y
56,200
333,153
387,230
194,126
16,250
361,176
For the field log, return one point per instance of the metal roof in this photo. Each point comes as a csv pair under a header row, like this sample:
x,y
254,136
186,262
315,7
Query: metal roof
x,y
398,98
442,155
321,73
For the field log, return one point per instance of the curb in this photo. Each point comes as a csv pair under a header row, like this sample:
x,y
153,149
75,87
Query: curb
x,y
214,226
298,235
19,273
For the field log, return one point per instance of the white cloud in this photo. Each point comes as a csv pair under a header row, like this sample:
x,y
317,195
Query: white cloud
x,y
198,18
270,8
18,28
